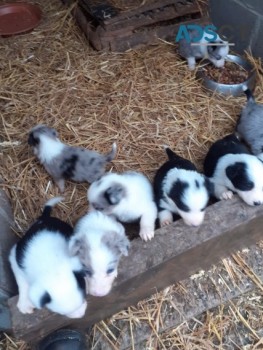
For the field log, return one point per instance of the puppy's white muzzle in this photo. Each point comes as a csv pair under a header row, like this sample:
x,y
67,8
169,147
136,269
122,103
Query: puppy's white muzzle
x,y
193,219
80,312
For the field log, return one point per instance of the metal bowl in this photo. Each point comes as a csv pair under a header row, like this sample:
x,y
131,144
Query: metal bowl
x,y
230,89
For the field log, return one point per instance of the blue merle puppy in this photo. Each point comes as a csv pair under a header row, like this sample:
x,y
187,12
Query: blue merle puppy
x,y
250,124
64,162
181,190
232,169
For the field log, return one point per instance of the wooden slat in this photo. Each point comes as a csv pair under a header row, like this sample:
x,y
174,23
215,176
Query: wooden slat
x,y
110,29
176,252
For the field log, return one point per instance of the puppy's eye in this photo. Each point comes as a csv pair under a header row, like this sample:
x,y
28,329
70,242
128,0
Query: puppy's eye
x,y
109,271
88,272
203,209
96,206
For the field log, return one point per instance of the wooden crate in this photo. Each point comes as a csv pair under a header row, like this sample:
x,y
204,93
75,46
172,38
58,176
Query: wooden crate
x,y
108,28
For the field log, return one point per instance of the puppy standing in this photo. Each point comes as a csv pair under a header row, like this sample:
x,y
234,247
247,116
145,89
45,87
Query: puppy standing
x,y
128,197
99,241
215,51
250,124
232,168
46,275
66,162
180,189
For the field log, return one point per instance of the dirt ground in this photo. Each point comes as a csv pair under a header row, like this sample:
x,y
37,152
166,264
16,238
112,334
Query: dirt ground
x,y
142,99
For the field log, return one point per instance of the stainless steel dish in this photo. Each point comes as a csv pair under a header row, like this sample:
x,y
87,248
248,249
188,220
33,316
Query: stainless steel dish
x,y
230,89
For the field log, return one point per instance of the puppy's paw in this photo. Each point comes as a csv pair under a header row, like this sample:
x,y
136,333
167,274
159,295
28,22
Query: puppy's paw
x,y
25,306
165,218
146,233
226,195
166,222
191,67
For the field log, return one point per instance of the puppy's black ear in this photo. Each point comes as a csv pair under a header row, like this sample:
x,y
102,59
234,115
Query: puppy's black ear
x,y
45,299
237,174
32,140
119,244
114,194
209,186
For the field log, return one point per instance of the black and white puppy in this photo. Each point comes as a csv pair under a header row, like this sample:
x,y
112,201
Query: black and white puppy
x,y
250,124
128,197
46,274
232,168
180,189
64,162
99,241
215,51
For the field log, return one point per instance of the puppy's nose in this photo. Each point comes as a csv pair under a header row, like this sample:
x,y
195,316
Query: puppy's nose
x,y
257,203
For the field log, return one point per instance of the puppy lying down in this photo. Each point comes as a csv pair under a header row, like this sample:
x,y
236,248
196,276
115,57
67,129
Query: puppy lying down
x,y
128,197
46,274
250,124
99,241
180,189
64,162
232,168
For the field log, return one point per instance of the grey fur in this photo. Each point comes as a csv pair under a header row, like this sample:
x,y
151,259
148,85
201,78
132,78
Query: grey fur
x,y
111,197
185,48
250,124
74,163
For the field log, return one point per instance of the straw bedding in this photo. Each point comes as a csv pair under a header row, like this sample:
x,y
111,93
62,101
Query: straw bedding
x,y
142,99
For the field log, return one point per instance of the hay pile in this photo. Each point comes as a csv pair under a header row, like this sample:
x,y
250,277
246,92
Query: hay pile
x,y
142,99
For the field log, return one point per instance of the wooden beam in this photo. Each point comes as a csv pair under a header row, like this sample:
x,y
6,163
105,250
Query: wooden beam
x,y
176,252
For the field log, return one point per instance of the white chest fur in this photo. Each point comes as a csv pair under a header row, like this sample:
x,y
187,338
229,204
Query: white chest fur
x,y
49,149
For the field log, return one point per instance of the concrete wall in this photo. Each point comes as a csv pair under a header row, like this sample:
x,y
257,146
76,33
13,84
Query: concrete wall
x,y
241,21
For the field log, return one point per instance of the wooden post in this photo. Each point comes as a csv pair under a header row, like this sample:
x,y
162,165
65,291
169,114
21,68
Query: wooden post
x,y
176,252
7,239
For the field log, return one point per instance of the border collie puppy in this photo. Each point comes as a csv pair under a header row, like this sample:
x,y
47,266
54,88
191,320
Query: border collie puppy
x,y
213,52
46,274
232,168
180,189
250,124
64,162
128,197
99,241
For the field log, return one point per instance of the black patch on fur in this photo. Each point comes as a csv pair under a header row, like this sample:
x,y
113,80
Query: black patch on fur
x,y
210,186
79,275
114,194
250,96
45,299
32,140
177,194
174,162
178,162
68,166
51,224
230,144
213,50
237,174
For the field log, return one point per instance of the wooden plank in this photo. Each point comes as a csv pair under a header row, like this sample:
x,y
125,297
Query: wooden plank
x,y
202,292
176,252
145,37
7,240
